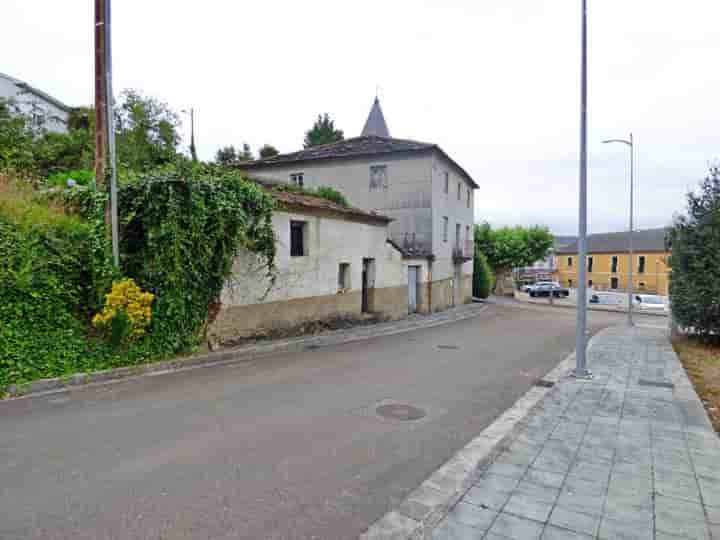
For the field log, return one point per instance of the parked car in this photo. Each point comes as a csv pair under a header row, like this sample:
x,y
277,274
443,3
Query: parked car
x,y
547,289
526,288
649,301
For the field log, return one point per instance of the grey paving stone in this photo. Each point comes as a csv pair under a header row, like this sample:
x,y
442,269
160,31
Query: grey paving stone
x,y
575,521
619,530
486,497
696,530
713,514
537,491
642,517
496,482
524,505
715,532
473,515
505,469
545,478
517,528
678,489
710,489
555,533
584,504
671,509
449,529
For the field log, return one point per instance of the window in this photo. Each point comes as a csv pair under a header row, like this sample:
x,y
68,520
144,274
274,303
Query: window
x,y
446,187
569,282
297,238
469,197
570,262
459,189
343,277
445,229
590,283
590,264
467,233
642,284
614,267
457,235
378,177
614,283
298,179
641,264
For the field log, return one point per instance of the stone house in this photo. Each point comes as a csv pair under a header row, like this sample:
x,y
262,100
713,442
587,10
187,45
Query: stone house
x,y
332,262
429,196
608,262
44,110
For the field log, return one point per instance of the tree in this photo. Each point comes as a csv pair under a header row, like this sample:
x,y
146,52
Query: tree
x,y
482,276
323,132
695,243
511,247
246,154
146,131
268,150
226,155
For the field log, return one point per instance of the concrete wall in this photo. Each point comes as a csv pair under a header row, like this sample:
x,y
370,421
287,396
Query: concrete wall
x,y
406,198
654,280
53,118
306,287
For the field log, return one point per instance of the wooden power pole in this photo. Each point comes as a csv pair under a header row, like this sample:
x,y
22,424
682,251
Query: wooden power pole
x,y
100,94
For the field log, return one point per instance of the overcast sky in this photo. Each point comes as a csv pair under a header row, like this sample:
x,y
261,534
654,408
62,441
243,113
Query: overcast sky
x,y
494,82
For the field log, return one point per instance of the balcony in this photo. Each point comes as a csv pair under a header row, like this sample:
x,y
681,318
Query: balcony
x,y
463,251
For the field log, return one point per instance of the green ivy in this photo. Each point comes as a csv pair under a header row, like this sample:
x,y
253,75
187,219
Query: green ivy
x,y
180,236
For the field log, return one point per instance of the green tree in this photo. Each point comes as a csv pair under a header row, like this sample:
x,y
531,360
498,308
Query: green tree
x,y
482,276
267,151
695,243
323,132
16,137
226,155
246,154
146,131
511,247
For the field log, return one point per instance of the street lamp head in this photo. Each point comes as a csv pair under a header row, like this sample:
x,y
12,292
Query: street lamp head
x,y
618,141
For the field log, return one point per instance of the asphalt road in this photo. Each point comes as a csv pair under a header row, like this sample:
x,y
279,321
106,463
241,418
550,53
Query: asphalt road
x,y
286,447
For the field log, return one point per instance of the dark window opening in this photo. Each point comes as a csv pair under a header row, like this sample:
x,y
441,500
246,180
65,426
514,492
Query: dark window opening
x,y
590,264
614,268
298,179
344,276
569,261
641,265
590,283
297,238
614,283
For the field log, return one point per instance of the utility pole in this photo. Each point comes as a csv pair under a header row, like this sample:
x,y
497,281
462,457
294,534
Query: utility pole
x,y
100,94
110,126
193,151
581,371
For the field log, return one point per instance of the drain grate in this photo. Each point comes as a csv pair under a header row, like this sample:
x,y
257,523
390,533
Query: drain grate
x,y
400,411
544,383
451,347
657,384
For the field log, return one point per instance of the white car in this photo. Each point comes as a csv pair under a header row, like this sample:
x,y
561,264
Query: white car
x,y
649,302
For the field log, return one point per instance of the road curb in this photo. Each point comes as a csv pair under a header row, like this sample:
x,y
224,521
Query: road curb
x,y
429,503
225,357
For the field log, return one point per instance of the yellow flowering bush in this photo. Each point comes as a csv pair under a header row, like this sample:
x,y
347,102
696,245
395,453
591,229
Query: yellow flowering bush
x,y
127,312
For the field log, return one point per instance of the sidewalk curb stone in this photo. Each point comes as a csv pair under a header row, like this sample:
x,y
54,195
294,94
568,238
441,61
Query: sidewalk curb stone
x,y
242,354
424,508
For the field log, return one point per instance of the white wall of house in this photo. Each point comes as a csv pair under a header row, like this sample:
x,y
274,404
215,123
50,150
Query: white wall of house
x,y
406,197
329,242
457,212
44,113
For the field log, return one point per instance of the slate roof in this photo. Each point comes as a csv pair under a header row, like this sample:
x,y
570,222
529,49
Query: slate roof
x,y
648,240
375,124
311,202
363,146
32,90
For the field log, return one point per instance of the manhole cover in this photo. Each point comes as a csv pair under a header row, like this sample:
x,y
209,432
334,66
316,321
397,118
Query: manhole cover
x,y
400,411
659,384
544,383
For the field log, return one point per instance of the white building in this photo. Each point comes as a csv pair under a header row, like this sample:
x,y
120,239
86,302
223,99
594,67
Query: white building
x,y
45,111
428,195
332,262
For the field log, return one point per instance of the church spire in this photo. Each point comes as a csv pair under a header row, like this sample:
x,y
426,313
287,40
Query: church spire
x,y
375,124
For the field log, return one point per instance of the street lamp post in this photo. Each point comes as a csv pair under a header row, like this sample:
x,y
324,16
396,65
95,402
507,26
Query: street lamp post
x,y
630,144
581,370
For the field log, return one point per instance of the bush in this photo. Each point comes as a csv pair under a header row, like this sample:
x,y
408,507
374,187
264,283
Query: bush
x,y
482,276
695,244
324,192
81,177
179,238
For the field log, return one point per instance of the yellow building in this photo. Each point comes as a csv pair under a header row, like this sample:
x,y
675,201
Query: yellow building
x,y
608,262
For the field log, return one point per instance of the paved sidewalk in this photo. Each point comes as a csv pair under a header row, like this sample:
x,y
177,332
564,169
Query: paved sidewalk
x,y
623,456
